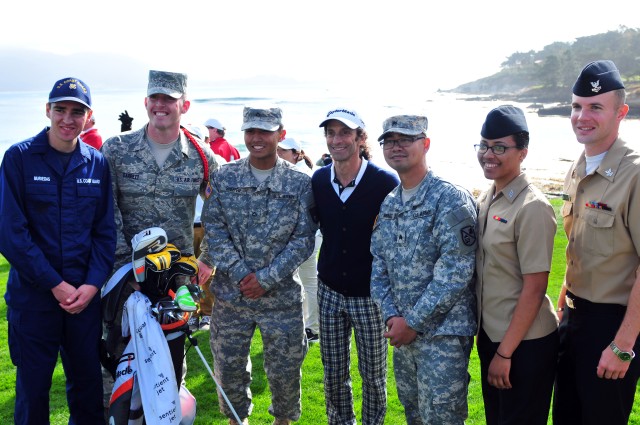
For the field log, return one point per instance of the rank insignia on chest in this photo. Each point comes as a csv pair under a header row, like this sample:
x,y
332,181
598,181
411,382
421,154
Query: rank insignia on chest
x,y
401,237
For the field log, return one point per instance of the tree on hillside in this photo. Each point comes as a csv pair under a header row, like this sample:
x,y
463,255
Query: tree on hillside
x,y
519,59
550,69
554,68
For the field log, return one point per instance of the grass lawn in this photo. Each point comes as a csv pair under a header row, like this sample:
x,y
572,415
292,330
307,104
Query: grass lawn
x,y
313,411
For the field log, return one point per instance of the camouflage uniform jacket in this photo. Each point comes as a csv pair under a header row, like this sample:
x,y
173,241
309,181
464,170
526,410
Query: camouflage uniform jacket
x,y
264,228
424,259
146,195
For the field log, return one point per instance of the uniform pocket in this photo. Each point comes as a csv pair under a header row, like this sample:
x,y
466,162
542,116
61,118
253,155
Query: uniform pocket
x,y
13,319
599,233
42,198
190,190
88,198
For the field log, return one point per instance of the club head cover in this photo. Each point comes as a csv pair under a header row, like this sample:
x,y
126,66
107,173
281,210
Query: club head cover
x,y
157,262
148,241
196,291
185,300
185,266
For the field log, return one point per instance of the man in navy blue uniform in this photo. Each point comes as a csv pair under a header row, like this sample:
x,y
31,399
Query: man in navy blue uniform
x,y
58,233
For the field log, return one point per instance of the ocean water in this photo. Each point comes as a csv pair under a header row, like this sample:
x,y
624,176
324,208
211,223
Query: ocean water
x,y
454,122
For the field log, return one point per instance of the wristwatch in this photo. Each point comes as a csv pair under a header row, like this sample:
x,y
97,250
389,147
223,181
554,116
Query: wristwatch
x,y
625,356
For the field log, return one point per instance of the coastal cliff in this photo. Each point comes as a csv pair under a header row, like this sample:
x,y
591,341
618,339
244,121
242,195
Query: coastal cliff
x,y
544,78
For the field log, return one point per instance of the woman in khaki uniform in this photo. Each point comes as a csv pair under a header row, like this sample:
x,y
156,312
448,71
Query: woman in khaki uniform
x,y
517,338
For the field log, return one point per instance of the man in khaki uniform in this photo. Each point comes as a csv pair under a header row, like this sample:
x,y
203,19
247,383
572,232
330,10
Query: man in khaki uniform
x,y
599,327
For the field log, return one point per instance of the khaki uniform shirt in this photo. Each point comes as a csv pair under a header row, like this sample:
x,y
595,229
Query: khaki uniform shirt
x,y
602,221
516,232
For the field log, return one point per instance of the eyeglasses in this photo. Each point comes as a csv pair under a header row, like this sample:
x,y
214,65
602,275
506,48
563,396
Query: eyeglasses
x,y
403,142
496,149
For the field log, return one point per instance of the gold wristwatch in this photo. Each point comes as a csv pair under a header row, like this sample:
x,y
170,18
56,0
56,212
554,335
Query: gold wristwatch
x,y
625,356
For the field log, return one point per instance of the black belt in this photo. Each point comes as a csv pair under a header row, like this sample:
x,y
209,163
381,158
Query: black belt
x,y
196,225
585,306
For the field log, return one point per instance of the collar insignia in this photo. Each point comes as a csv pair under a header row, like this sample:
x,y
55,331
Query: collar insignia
x,y
609,173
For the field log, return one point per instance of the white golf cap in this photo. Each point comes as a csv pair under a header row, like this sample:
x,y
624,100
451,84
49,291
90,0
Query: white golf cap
x,y
290,143
199,131
214,123
348,117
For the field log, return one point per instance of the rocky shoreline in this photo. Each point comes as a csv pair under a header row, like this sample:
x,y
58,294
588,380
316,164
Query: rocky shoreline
x,y
564,110
553,101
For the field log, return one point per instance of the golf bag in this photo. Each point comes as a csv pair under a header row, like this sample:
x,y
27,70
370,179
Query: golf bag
x,y
145,373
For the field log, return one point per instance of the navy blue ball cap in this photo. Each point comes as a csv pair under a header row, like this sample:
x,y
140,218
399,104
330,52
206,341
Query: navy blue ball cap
x,y
503,121
596,78
72,89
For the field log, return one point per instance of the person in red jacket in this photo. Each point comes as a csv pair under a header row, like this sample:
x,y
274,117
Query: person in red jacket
x,y
90,134
220,145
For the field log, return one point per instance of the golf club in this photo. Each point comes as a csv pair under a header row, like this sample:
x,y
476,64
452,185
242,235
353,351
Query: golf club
x,y
194,343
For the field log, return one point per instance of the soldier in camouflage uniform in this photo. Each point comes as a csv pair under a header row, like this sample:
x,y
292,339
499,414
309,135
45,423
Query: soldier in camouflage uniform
x,y
157,173
258,219
423,246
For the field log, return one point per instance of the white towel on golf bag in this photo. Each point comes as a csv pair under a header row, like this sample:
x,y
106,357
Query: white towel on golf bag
x,y
152,362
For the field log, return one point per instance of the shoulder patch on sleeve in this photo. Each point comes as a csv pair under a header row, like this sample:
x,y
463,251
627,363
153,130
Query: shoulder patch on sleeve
x,y
462,223
468,235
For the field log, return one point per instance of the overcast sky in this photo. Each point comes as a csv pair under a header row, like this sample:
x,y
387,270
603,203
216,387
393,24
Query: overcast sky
x,y
391,42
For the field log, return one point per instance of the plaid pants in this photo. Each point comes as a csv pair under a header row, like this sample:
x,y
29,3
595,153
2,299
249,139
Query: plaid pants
x,y
338,316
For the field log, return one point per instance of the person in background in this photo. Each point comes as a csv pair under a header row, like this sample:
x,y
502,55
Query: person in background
x,y
157,173
218,143
57,232
423,248
600,297
518,337
201,320
260,226
348,195
90,134
290,150
325,159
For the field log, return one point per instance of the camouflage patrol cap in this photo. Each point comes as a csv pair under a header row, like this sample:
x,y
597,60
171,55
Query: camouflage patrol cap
x,y
170,83
411,125
269,119
504,121
71,89
596,78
